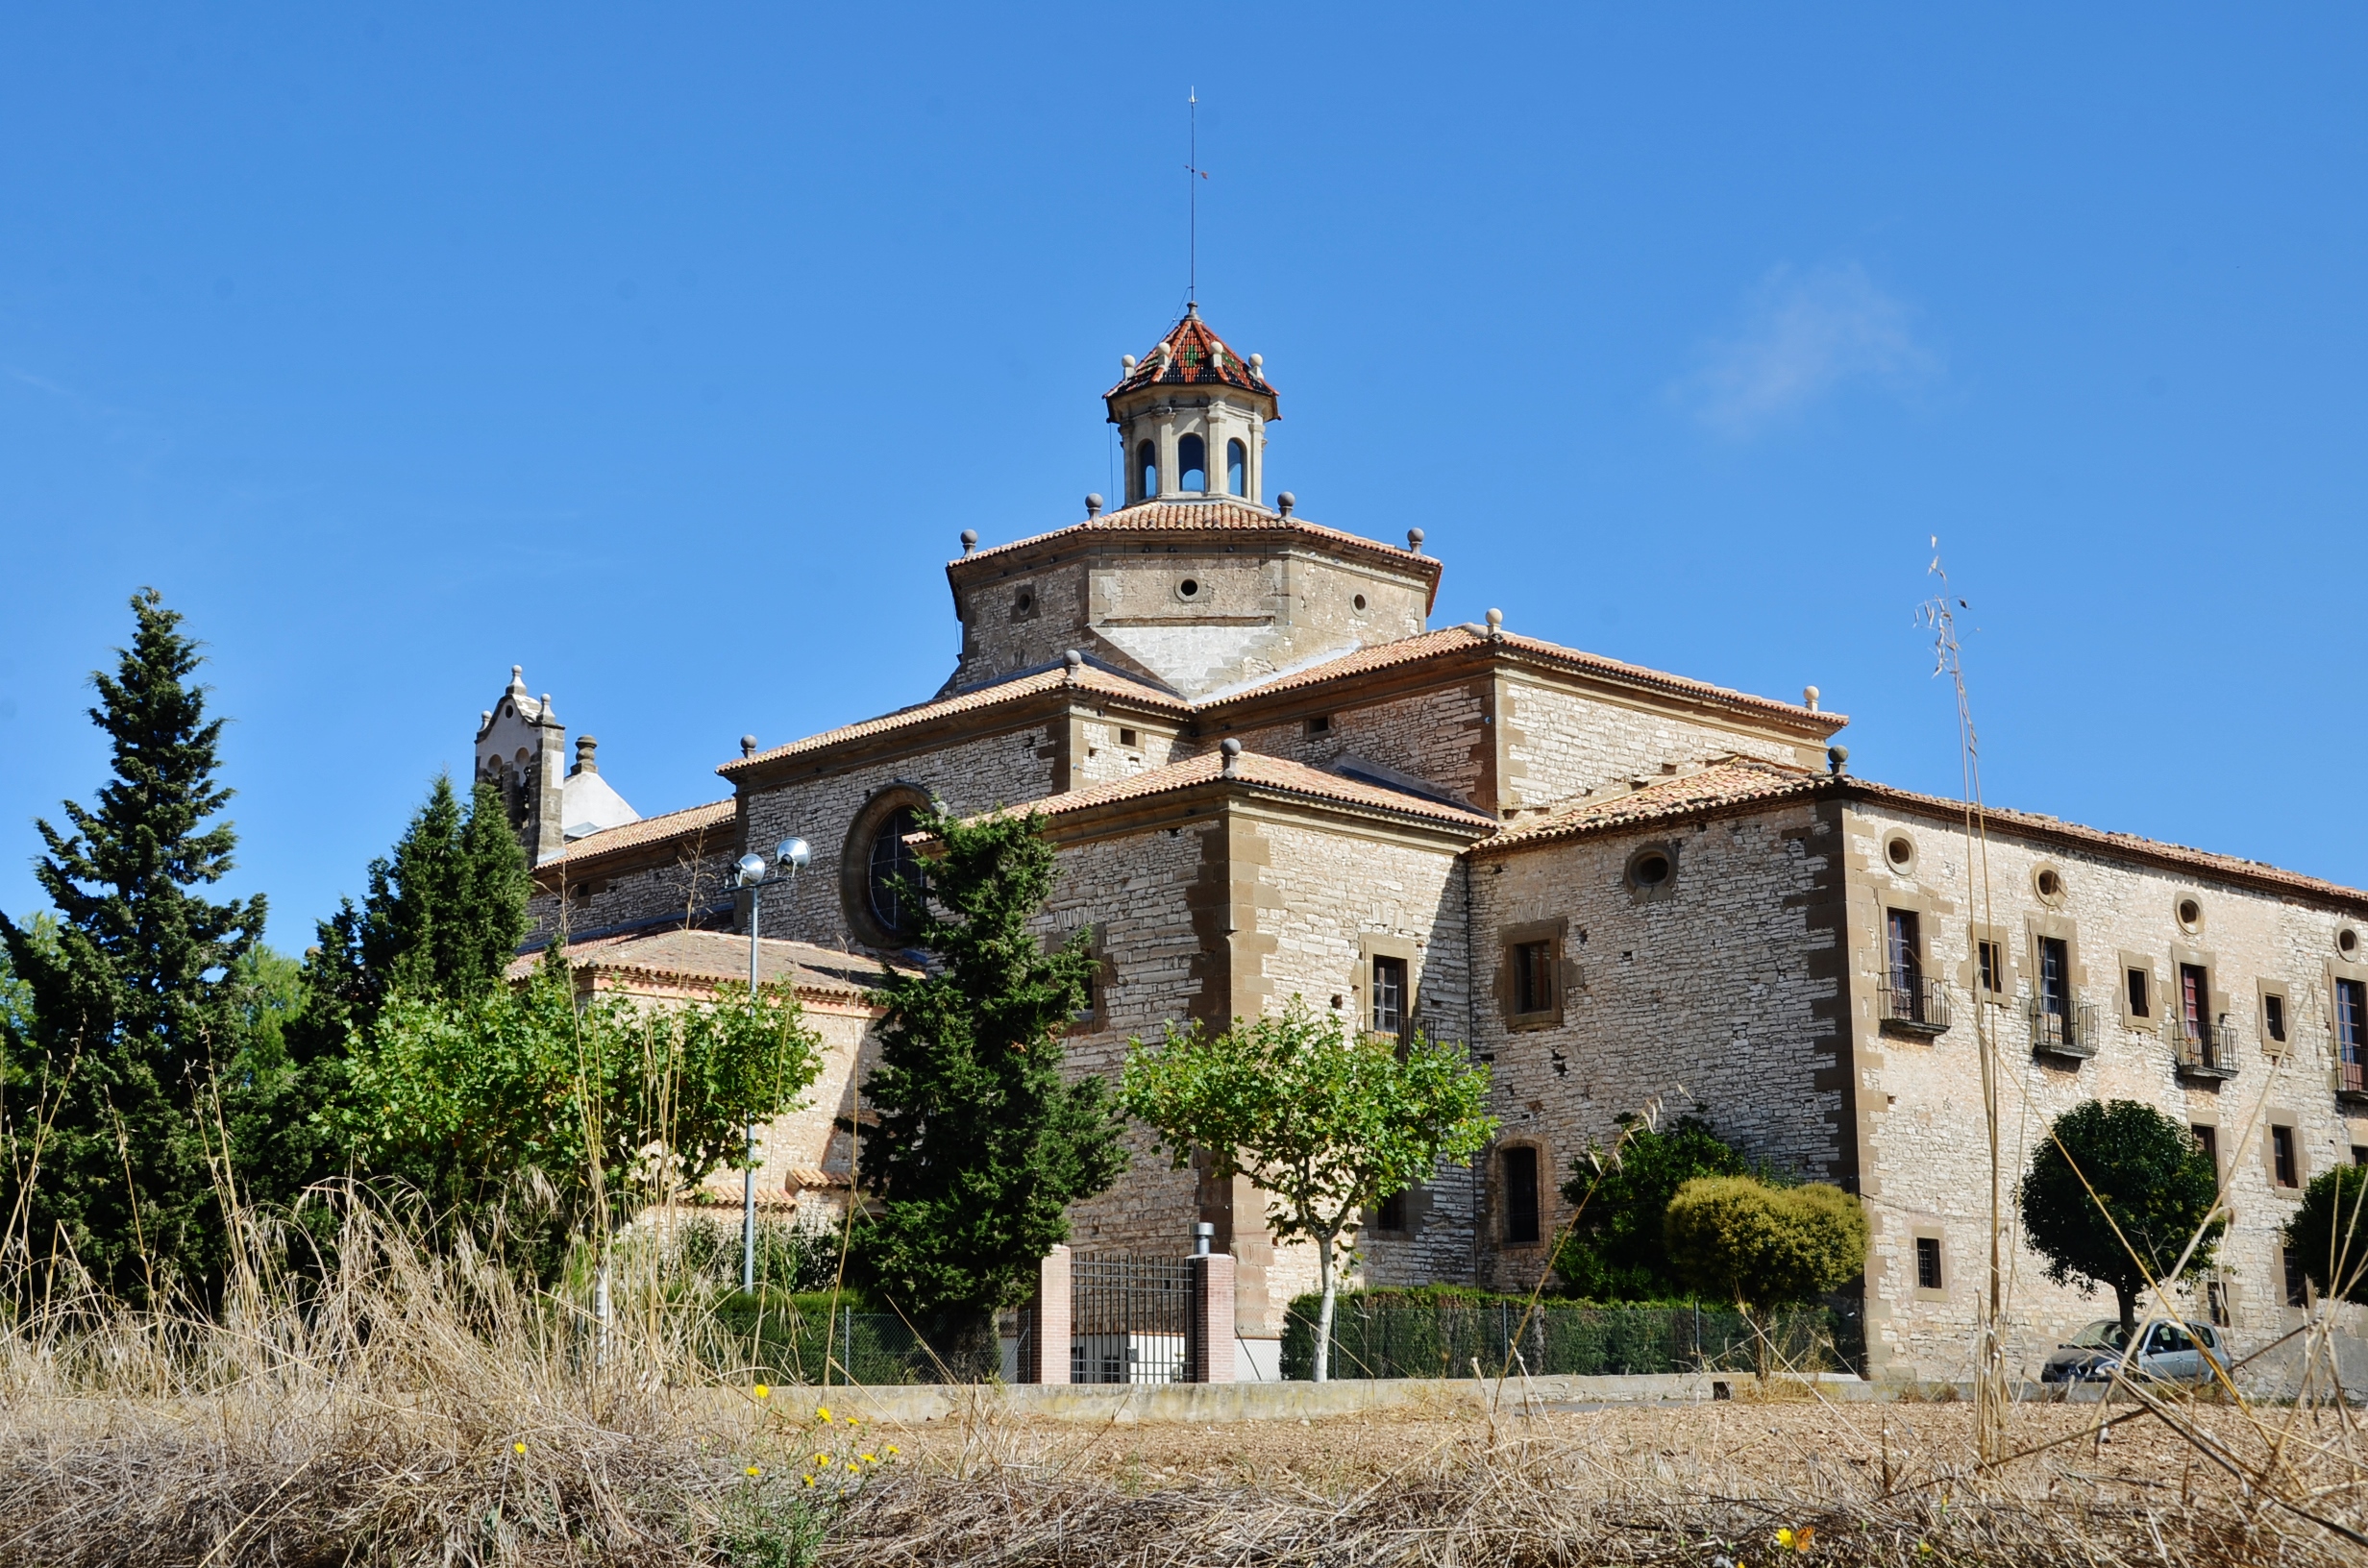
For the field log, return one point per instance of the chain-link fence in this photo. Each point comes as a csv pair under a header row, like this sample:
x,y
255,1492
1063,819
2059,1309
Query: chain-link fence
x,y
791,1342
1378,1335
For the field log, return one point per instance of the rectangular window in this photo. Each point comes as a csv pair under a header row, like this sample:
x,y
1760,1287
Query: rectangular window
x,y
2194,1001
2055,977
1906,954
2283,1163
2273,1017
2140,982
1521,1196
1126,737
1321,724
1391,1214
1993,961
2296,1294
2216,1302
1928,1263
1533,978
2208,1139
2352,1033
2359,1154
1389,995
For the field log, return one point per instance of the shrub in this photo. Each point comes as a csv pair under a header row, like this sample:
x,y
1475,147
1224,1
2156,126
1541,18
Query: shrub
x,y
2329,1235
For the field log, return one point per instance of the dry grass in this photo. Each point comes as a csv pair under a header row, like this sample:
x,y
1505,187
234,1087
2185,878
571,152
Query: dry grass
x,y
427,1411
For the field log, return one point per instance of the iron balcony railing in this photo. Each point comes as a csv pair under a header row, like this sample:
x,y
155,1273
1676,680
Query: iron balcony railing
x,y
1921,1007
2203,1048
2062,1026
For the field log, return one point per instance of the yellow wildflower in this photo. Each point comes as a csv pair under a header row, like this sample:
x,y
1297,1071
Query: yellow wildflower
x,y
764,1390
853,1465
810,1480
892,1448
517,1448
870,1460
822,1413
821,1459
756,1470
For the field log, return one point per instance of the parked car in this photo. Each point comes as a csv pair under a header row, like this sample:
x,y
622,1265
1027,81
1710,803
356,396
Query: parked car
x,y
2170,1353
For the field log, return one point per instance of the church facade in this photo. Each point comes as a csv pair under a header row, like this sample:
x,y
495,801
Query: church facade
x,y
1630,892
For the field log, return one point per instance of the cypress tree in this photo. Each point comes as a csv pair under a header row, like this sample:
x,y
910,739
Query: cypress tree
x,y
441,921
981,1145
135,997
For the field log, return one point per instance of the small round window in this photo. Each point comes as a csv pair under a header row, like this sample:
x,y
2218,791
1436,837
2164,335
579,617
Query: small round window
x,y
2048,883
2347,943
1649,871
1188,588
2188,911
1359,604
1899,853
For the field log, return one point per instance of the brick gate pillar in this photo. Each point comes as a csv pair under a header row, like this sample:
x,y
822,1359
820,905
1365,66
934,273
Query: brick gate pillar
x,y
1048,1348
1209,1339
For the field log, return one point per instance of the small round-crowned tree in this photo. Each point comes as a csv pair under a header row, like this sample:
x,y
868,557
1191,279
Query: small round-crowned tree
x,y
2114,1197
2329,1233
1740,1239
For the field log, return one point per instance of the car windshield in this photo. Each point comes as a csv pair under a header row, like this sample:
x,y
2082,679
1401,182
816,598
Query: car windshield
x,y
2102,1334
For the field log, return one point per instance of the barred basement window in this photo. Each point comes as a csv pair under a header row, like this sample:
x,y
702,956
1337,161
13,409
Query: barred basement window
x,y
1520,1167
1928,1263
2216,1302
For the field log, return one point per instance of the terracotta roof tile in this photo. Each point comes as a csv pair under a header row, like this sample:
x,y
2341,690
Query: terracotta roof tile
x,y
1253,770
1092,677
1193,356
650,831
1718,784
719,955
1743,780
1447,640
1216,515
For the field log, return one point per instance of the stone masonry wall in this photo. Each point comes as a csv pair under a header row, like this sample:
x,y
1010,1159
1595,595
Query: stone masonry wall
x,y
1707,994
1133,893
1926,1163
1324,896
1002,768
1439,736
697,878
1560,744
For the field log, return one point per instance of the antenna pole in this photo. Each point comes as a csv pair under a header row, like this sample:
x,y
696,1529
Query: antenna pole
x,y
1192,185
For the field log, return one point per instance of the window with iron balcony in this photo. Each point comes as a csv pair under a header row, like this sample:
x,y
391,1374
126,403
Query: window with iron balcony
x,y
1909,1002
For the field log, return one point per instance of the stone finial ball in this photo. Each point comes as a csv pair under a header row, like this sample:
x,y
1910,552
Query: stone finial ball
x,y
1230,746
1285,502
1497,619
748,745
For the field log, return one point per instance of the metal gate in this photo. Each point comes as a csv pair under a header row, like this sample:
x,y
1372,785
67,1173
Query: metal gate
x,y
1130,1318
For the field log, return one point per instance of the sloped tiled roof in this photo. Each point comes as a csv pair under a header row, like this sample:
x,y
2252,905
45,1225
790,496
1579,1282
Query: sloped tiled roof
x,y
1217,515
711,956
1430,645
1745,781
1722,783
1193,356
1092,677
650,831
1276,775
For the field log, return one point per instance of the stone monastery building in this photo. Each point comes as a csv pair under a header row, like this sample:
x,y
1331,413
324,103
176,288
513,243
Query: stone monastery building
x,y
1269,775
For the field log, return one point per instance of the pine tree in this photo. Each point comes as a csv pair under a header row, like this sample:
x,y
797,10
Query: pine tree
x,y
981,1145
134,999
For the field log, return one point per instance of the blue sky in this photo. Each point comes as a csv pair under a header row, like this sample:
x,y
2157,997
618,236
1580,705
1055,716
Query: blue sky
x,y
667,350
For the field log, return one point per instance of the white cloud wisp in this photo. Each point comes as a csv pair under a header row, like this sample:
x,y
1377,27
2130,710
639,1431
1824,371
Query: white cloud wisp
x,y
1809,333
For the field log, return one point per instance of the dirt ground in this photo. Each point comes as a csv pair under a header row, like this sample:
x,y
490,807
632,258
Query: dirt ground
x,y
1793,1445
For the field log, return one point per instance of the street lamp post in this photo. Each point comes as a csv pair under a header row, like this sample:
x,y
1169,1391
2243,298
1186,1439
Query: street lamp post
x,y
789,857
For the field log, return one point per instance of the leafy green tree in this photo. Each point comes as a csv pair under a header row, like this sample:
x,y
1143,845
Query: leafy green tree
x,y
2329,1233
137,997
1742,1239
530,1116
981,1144
2147,1190
1618,1248
442,918
1323,1119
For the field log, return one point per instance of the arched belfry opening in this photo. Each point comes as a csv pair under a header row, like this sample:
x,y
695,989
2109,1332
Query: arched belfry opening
x,y
1193,413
